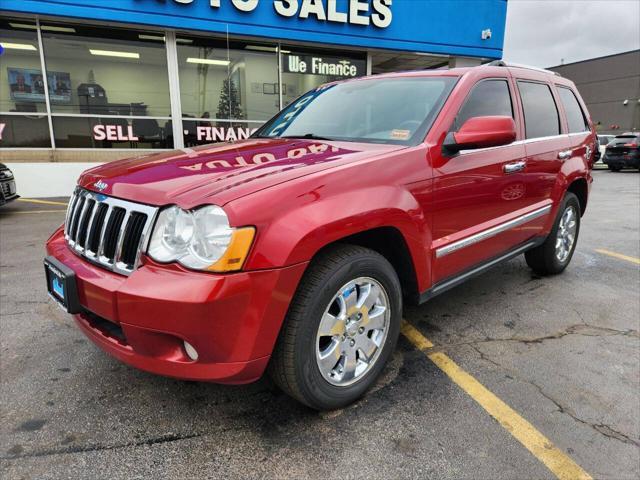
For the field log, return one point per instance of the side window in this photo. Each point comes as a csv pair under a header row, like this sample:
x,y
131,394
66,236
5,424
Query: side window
x,y
575,116
489,97
541,117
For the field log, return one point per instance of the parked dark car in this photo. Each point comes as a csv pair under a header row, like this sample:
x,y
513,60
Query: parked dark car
x,y
7,185
623,152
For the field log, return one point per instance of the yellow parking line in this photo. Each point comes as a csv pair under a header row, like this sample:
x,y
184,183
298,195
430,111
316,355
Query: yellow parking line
x,y
30,212
419,341
540,446
619,256
44,202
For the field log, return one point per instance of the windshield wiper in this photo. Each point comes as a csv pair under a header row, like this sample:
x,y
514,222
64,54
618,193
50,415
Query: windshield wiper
x,y
310,136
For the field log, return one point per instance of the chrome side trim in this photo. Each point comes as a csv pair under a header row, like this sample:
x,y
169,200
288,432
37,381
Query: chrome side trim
x,y
450,283
491,232
517,142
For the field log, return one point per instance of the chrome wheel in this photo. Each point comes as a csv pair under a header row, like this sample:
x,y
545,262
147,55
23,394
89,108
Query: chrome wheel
x,y
352,331
566,233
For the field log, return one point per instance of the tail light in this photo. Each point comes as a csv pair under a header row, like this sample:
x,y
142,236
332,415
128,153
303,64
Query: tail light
x,y
632,145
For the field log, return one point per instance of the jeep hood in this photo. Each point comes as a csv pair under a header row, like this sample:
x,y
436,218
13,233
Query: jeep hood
x,y
221,173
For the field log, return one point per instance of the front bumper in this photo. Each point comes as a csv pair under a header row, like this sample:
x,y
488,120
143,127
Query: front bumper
x,y
8,191
232,320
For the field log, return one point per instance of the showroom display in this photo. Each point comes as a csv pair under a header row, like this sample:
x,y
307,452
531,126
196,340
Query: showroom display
x,y
294,250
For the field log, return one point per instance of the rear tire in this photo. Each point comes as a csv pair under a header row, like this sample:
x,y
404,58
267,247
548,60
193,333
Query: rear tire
x,y
553,256
320,357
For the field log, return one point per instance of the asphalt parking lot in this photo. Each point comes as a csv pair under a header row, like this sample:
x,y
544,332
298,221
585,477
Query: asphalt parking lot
x,y
562,352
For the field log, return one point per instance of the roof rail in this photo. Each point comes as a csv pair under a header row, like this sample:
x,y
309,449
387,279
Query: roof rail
x,y
502,63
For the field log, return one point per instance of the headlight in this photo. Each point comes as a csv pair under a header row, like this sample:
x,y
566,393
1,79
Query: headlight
x,y
200,239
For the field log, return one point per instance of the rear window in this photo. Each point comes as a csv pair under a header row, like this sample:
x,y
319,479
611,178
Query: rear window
x,y
622,139
541,117
575,116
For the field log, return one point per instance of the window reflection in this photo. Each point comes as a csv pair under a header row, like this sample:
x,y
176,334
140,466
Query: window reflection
x,y
21,81
24,131
226,84
106,71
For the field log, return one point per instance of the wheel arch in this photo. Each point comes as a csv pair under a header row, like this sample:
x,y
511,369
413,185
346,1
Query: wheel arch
x,y
580,188
389,242
387,219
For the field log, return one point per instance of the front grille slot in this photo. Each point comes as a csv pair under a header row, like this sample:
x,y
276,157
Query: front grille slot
x,y
132,238
113,232
84,221
108,231
7,189
75,221
95,234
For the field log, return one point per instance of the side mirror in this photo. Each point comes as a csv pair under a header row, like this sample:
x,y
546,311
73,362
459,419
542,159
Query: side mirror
x,y
481,132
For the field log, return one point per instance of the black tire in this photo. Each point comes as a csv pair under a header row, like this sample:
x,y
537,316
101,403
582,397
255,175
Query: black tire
x,y
614,169
293,365
543,259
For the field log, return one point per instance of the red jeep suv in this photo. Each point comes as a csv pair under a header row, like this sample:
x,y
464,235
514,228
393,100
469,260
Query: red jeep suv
x,y
293,251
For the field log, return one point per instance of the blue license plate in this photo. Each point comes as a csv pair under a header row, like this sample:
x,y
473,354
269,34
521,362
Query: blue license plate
x,y
61,285
58,287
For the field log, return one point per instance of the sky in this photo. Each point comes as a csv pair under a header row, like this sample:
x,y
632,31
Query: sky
x,y
546,33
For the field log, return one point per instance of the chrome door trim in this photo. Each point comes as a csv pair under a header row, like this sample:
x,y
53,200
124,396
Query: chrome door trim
x,y
491,232
517,142
514,167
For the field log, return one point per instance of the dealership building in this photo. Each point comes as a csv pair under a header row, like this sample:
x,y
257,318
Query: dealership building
x,y
610,86
130,77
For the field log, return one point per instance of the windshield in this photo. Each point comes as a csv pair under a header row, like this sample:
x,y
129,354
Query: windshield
x,y
392,110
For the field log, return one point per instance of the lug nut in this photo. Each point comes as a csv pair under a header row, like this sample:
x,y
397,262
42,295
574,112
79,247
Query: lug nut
x,y
352,342
361,330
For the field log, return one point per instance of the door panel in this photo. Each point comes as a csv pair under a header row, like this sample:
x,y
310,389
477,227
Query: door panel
x,y
479,191
544,163
472,193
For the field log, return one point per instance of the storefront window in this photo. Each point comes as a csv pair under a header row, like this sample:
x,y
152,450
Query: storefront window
x,y
21,81
100,132
303,70
24,131
107,71
220,85
110,87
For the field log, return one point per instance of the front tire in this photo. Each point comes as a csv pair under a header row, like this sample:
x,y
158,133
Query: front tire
x,y
341,328
553,256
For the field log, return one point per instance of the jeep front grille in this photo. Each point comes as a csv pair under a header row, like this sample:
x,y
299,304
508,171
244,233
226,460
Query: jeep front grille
x,y
108,231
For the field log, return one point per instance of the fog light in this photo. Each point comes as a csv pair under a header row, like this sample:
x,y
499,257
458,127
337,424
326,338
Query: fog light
x,y
191,352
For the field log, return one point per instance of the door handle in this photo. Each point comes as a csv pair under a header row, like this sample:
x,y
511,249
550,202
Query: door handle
x,y
514,167
565,154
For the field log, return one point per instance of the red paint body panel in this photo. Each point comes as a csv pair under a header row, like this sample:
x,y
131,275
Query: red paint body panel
x,y
300,196
232,320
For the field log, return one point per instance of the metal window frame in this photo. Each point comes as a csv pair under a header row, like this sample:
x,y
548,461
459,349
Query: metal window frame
x,y
45,80
174,88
